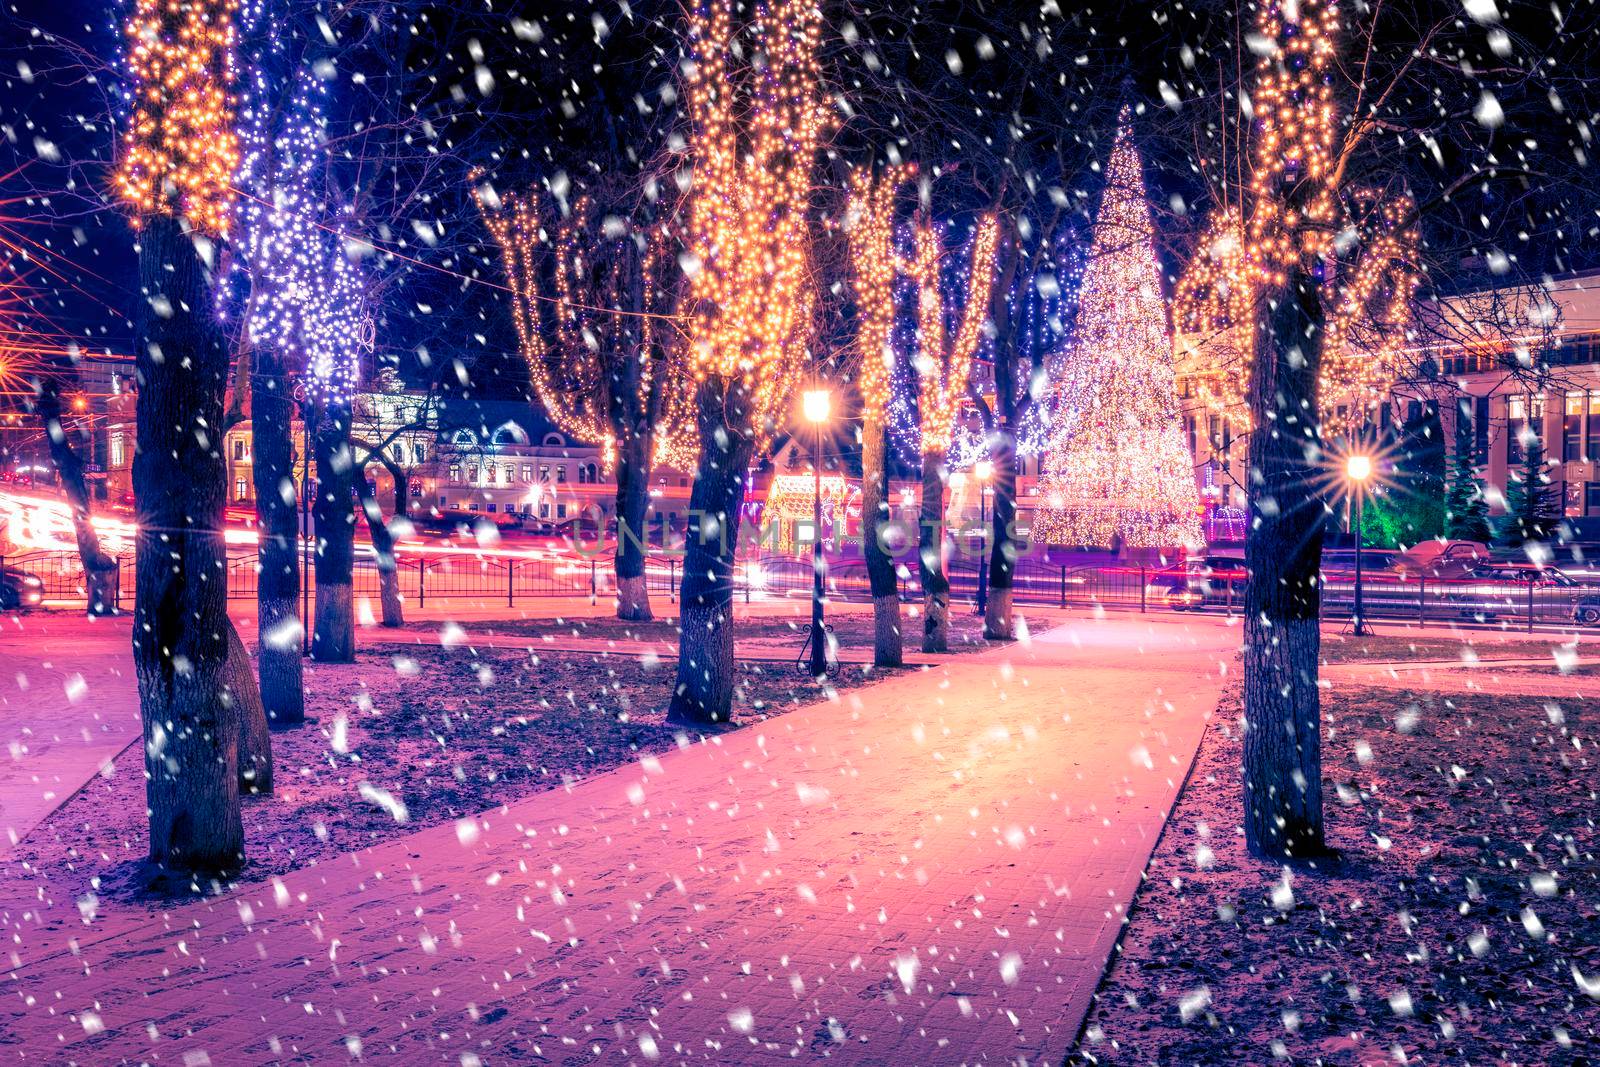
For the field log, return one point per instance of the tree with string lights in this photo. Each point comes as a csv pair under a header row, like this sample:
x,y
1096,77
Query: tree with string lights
x,y
871,224
300,323
603,290
942,366
174,176
1120,474
755,132
1297,260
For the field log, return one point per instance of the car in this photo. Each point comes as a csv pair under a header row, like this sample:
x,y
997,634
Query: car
x,y
1442,559
1494,589
1201,581
19,589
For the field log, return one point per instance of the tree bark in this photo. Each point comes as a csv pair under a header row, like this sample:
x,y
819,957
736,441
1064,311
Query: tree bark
x,y
382,547
255,740
1283,550
633,500
998,623
1008,409
333,638
888,642
279,630
100,571
930,559
180,647
703,695
402,491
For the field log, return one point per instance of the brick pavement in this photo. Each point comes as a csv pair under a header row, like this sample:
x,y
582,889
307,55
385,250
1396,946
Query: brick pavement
x,y
931,869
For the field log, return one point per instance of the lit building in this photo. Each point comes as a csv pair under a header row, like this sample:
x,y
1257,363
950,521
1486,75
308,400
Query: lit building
x,y
1506,380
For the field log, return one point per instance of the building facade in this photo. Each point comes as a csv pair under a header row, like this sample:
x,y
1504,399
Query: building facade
x,y
1513,364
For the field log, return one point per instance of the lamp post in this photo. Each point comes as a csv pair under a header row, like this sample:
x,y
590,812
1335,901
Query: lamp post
x,y
1358,469
983,470
817,405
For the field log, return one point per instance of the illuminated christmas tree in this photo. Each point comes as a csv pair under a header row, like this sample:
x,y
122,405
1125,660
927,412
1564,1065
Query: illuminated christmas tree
x,y
1121,474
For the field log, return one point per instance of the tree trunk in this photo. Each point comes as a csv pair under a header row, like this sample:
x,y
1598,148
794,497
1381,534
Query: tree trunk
x,y
703,694
383,547
930,559
100,571
998,624
255,741
1283,549
180,647
278,627
633,500
402,492
333,638
888,642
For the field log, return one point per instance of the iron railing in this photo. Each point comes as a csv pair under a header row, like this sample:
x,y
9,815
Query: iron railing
x,y
495,578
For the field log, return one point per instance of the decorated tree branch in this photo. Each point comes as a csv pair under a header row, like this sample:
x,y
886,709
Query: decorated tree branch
x,y
1287,277
302,322
872,262
942,366
174,176
603,291
755,131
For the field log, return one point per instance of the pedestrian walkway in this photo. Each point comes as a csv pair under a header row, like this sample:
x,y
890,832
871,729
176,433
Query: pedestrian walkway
x,y
932,869
68,704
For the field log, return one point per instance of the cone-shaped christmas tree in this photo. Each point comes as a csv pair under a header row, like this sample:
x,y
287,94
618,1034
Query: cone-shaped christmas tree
x,y
1120,474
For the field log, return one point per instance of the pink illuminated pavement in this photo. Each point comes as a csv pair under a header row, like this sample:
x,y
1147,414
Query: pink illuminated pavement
x,y
932,870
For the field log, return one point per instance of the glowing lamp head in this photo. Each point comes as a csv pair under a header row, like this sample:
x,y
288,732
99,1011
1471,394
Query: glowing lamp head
x,y
1358,467
983,470
817,404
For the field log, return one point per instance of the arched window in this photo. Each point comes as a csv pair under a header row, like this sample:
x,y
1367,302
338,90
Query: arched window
x,y
464,439
510,434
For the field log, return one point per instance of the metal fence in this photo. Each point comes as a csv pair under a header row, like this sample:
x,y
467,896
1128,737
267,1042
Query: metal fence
x,y
496,578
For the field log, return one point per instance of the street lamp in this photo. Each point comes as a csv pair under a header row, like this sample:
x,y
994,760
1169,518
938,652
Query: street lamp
x,y
1358,469
983,470
816,405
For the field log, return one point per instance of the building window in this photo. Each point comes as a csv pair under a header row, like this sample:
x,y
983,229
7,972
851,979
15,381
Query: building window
x,y
561,474
1591,498
472,473
416,491
561,511
544,473
1480,429
544,510
1572,419
1591,429
527,472
1516,423
240,491
419,453
491,508
511,474
238,448
455,472
117,454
